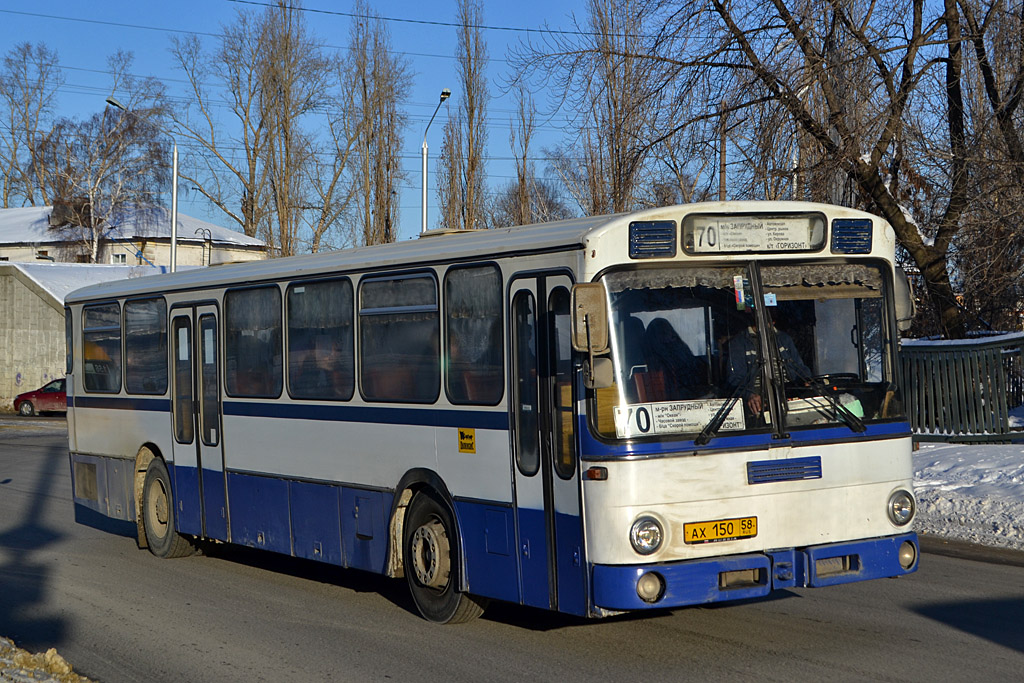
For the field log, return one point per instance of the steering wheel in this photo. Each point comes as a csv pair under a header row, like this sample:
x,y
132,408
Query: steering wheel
x,y
836,377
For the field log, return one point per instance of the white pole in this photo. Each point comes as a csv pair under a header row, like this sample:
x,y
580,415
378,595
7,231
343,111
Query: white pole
x,y
174,207
423,211
445,94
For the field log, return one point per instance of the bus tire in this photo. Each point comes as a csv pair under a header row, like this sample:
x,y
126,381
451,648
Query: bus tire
x,y
432,563
158,514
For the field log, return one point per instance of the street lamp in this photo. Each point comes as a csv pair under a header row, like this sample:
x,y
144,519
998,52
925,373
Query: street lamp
x,y
445,94
112,101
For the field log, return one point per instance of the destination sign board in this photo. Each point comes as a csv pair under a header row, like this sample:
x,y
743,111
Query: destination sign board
x,y
673,417
741,234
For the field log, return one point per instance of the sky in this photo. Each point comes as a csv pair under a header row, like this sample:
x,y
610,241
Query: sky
x,y
85,34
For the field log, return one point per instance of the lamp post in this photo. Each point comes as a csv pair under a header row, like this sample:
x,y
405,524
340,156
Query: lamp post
x,y
445,94
112,101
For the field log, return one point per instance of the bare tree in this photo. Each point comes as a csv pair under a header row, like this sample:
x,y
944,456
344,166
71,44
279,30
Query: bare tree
x,y
294,74
228,169
109,165
892,51
461,175
381,79
29,81
614,98
878,95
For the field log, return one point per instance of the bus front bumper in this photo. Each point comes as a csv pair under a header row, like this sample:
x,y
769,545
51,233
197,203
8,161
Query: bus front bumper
x,y
741,577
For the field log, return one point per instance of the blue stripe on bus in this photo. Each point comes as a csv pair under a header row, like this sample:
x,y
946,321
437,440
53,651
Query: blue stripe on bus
x,y
120,403
591,447
844,433
423,417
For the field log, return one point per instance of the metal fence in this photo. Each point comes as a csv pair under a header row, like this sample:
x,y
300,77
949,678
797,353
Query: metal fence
x,y
963,390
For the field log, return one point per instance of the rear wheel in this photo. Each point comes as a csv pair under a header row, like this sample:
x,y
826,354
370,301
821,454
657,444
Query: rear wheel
x,y
158,514
27,409
432,563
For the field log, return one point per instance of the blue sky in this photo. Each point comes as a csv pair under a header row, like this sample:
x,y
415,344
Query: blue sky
x,y
84,34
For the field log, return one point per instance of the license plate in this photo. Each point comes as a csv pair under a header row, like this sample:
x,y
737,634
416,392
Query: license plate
x,y
720,530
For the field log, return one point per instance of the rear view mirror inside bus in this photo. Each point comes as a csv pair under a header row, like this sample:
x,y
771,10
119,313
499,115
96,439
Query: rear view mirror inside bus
x,y
589,318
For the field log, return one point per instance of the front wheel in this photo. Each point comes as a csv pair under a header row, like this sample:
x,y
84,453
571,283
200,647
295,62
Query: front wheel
x,y
158,514
432,563
26,409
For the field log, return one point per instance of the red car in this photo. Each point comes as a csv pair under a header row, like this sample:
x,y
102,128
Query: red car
x,y
50,397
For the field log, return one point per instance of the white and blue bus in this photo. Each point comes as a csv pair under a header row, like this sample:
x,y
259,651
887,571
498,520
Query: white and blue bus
x,y
669,407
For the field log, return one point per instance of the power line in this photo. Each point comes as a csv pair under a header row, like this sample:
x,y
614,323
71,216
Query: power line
x,y
422,22
144,27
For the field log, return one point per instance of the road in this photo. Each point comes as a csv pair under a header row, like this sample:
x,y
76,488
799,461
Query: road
x,y
119,614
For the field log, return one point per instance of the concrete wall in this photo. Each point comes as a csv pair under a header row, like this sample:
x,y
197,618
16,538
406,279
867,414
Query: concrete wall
x,y
31,337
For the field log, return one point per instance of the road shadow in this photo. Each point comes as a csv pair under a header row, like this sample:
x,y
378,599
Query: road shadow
x,y
355,580
29,472
998,621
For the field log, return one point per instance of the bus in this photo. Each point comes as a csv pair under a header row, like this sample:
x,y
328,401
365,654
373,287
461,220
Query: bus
x,y
648,410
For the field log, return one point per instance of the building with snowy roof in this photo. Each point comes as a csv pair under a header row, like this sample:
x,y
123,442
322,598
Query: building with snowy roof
x,y
135,235
32,347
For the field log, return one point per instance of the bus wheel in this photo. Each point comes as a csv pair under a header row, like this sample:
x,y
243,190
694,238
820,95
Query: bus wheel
x,y
158,514
432,564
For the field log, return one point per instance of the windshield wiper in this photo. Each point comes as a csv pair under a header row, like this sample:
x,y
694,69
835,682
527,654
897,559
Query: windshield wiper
x,y
710,430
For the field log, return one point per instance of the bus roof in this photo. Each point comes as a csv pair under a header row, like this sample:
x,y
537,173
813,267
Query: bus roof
x,y
430,248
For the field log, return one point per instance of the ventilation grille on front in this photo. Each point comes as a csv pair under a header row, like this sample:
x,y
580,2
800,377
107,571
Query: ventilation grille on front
x,y
767,471
851,236
652,239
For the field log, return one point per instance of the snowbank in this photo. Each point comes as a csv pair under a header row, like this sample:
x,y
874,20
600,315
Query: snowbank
x,y
972,493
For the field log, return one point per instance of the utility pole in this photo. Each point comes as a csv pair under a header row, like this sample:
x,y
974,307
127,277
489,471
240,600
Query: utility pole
x,y
723,118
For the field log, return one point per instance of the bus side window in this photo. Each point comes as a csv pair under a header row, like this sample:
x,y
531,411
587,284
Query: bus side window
x,y
101,342
399,345
474,368
320,340
145,342
253,342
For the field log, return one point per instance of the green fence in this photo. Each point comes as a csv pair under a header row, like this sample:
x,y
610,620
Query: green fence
x,y
963,390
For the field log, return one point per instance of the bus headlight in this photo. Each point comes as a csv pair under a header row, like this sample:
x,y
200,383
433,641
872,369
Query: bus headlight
x,y
646,535
901,507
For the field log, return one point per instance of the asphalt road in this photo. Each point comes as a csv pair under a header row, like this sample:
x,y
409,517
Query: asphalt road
x,y
119,614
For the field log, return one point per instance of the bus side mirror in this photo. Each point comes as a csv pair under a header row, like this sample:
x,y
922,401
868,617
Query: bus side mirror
x,y
905,307
589,318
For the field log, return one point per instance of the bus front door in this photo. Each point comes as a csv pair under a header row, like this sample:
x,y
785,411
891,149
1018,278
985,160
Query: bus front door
x,y
547,492
200,491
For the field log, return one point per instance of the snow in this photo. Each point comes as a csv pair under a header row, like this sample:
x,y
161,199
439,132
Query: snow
x,y
972,341
30,225
60,279
972,492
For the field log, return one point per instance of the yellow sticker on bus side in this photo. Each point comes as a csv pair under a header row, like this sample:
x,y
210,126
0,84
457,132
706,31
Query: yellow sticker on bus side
x,y
467,440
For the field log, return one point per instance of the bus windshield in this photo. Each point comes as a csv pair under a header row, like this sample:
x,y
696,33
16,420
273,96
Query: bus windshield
x,y
712,350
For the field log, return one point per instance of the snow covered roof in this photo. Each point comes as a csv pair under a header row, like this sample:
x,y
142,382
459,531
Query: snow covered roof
x,y
30,225
58,279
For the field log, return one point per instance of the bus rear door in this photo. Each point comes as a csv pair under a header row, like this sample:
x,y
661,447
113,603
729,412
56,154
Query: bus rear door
x,y
199,483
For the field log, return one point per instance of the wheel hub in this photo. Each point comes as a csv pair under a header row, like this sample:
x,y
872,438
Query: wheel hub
x,y
430,555
158,507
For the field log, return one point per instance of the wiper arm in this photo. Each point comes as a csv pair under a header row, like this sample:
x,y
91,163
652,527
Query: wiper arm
x,y
710,430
